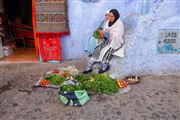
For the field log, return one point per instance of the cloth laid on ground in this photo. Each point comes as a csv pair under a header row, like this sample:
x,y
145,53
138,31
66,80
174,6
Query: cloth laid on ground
x,y
73,98
124,90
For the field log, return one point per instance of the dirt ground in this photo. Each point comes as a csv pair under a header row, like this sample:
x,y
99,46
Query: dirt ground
x,y
155,98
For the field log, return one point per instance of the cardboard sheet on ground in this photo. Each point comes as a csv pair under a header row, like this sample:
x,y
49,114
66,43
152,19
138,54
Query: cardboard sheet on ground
x,y
124,90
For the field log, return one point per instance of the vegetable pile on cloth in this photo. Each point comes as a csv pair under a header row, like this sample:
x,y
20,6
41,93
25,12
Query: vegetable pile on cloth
x,y
98,83
55,77
93,82
72,85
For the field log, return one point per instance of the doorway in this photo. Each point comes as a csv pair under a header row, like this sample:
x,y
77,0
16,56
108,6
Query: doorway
x,y
18,16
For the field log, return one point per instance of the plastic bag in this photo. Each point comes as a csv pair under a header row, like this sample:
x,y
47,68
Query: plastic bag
x,y
73,98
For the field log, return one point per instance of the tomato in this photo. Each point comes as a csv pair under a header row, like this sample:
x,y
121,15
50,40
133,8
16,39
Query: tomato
x,y
44,82
55,71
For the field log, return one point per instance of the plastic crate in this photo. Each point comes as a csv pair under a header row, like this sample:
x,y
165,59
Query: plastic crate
x,y
50,48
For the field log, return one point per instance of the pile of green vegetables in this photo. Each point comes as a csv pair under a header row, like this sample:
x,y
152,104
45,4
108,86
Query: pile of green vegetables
x,y
100,83
71,87
96,34
54,79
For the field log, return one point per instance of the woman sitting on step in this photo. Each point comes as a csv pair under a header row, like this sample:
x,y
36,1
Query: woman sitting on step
x,y
113,43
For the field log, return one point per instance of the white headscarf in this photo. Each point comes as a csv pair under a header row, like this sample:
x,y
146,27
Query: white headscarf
x,y
106,24
107,12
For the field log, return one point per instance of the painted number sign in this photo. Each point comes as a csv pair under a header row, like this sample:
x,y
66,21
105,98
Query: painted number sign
x,y
169,41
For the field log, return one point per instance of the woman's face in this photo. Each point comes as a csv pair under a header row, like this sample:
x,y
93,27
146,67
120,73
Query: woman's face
x,y
111,17
107,16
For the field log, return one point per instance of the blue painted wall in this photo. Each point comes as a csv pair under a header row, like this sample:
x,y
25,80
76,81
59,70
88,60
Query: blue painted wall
x,y
84,18
142,20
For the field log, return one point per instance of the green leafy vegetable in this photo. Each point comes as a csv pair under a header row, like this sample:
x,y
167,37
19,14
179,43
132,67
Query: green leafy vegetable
x,y
96,34
55,79
98,82
71,87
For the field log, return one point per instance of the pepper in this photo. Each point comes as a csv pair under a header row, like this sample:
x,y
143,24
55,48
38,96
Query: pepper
x,y
122,83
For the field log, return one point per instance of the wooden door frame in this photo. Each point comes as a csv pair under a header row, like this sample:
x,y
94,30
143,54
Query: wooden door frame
x,y
34,27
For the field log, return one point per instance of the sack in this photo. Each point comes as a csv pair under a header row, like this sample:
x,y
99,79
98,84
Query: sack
x,y
73,98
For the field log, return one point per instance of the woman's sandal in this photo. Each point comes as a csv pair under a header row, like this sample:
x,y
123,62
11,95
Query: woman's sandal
x,y
102,71
87,71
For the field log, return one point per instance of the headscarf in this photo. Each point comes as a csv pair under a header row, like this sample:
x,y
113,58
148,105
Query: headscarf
x,y
104,23
116,15
107,12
